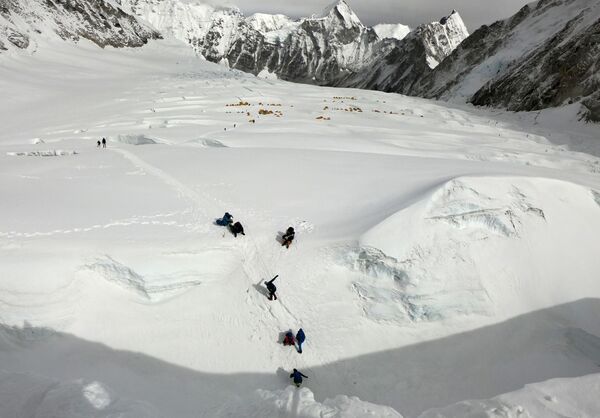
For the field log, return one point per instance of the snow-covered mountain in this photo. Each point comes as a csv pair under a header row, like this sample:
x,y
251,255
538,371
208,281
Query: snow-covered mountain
x,y
401,64
326,49
546,55
24,21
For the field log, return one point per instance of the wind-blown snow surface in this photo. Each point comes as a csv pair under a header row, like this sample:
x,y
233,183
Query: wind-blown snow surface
x,y
442,254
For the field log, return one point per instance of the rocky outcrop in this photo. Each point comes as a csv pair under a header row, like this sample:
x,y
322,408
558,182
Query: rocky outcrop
x,y
402,63
546,55
566,68
22,21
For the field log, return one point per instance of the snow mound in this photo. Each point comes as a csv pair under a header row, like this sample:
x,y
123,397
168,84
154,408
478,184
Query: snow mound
x,y
134,139
124,276
208,143
463,207
401,267
48,153
27,395
557,398
301,403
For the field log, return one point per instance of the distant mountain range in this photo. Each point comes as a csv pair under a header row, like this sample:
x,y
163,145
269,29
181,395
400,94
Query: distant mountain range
x,y
545,55
325,49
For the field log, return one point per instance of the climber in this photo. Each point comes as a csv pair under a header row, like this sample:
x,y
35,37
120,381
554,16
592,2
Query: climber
x,y
297,376
236,229
300,337
272,288
288,237
226,220
289,338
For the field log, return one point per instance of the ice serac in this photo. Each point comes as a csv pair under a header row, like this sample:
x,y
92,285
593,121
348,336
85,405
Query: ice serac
x,y
546,55
22,22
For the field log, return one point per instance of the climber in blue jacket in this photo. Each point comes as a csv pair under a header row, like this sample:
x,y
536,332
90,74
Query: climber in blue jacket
x,y
297,376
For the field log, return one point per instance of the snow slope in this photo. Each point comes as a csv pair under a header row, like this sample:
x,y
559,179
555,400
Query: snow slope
x,y
442,253
556,398
23,22
395,31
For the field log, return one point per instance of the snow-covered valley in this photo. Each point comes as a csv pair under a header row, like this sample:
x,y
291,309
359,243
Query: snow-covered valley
x,y
442,254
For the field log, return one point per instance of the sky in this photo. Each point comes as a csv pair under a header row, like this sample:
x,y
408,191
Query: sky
x,y
409,12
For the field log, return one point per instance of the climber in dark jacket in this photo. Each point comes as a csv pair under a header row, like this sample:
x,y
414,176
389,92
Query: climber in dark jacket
x,y
288,237
300,337
272,288
297,376
236,229
226,220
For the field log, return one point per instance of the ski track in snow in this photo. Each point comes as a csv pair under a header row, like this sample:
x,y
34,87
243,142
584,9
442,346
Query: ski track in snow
x,y
146,220
199,204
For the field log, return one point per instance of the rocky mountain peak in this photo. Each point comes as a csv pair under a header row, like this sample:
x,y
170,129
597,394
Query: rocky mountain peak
x,y
442,37
340,11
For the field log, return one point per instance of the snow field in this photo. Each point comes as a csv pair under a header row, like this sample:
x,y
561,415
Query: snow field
x,y
441,254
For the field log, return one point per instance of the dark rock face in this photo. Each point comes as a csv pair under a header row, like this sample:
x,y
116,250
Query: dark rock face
x,y
592,107
565,69
546,55
95,20
316,51
481,44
